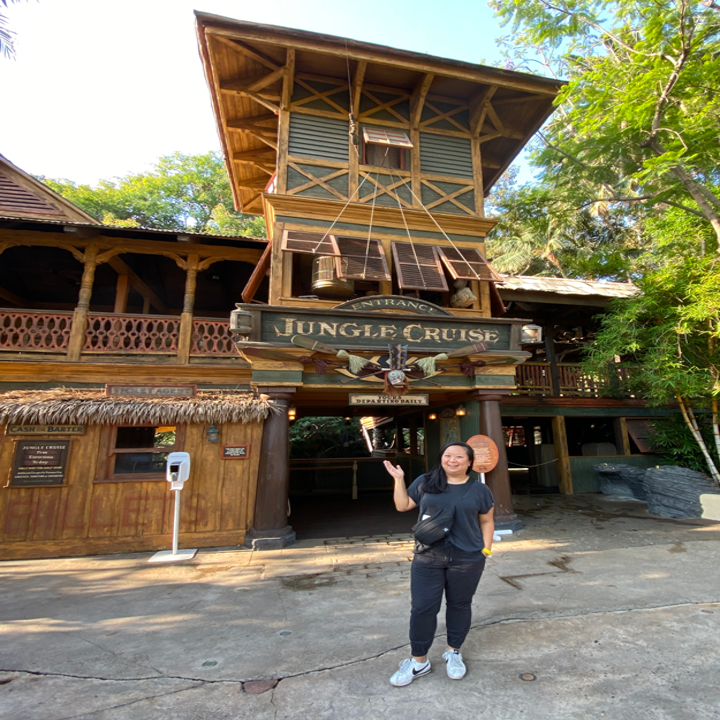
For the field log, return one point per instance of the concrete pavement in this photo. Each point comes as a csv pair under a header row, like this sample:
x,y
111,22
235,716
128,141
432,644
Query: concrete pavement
x,y
596,609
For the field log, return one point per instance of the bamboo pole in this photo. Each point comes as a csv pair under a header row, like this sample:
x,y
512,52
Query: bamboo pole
x,y
691,422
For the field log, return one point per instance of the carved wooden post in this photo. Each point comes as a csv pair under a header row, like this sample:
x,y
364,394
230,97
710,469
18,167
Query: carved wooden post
x,y
122,288
270,529
498,480
549,332
79,321
186,319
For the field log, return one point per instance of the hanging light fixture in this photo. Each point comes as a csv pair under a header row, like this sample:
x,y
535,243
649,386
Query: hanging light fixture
x,y
292,413
213,434
432,416
460,411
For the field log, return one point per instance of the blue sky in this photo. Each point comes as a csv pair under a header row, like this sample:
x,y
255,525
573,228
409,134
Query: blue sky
x,y
100,89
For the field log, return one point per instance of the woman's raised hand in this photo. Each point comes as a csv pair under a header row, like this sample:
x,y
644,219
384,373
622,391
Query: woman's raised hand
x,y
395,470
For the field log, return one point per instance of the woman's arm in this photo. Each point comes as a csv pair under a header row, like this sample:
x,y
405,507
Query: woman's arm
x,y
487,527
403,502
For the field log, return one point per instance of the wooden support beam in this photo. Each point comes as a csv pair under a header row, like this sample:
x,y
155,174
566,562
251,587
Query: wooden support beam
x,y
122,268
417,100
478,109
357,83
122,289
561,455
262,154
14,299
255,122
253,183
283,137
246,50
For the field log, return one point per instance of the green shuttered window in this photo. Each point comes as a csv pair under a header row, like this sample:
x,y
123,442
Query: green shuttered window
x,y
441,155
320,138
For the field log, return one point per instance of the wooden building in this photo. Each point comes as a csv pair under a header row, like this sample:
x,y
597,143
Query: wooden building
x,y
371,297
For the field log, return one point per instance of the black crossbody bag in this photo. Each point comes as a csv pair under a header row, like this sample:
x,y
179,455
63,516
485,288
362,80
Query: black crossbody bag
x,y
433,530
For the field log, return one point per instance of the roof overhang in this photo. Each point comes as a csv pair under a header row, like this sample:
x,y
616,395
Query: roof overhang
x,y
245,64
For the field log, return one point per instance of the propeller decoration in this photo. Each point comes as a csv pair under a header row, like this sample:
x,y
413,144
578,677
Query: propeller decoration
x,y
427,365
355,362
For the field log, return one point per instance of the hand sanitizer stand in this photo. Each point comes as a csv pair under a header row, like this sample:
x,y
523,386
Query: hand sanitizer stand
x,y
178,471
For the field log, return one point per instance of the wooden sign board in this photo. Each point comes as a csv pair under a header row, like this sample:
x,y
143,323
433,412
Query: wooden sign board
x,y
40,462
235,452
486,453
389,400
45,430
154,391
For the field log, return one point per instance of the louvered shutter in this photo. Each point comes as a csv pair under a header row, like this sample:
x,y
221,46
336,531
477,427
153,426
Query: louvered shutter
x,y
467,264
361,259
418,267
395,138
309,243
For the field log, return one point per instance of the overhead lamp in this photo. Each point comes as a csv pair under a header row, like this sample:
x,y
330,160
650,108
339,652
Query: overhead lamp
x,y
213,434
460,411
432,416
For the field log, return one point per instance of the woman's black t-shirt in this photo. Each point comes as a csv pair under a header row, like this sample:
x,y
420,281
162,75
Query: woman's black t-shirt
x,y
465,533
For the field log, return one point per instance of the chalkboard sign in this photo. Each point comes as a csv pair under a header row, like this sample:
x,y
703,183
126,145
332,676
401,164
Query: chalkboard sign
x,y
235,452
40,462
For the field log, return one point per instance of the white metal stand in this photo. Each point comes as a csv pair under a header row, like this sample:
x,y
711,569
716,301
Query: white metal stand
x,y
174,555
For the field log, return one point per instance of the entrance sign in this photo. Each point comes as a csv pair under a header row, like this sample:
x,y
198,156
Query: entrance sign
x,y
151,390
368,330
401,400
234,452
394,302
40,462
45,430
486,453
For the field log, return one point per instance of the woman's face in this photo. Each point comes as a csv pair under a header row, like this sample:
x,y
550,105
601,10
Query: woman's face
x,y
455,461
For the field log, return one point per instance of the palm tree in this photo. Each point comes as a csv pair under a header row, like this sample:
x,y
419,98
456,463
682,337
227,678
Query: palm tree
x,y
7,36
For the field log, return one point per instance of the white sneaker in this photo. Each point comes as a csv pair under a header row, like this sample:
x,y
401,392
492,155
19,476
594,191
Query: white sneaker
x,y
455,666
409,670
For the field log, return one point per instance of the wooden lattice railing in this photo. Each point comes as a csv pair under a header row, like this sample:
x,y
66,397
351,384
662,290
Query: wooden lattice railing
x,y
212,337
153,334
30,331
533,378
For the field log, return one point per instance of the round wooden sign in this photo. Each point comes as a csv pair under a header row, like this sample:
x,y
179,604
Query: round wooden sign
x,y
486,453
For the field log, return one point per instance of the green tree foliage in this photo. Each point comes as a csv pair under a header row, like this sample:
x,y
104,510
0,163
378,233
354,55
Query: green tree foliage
x,y
540,234
182,192
327,437
669,336
639,119
7,36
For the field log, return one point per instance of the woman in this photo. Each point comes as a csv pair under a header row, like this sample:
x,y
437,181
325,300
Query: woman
x,y
453,566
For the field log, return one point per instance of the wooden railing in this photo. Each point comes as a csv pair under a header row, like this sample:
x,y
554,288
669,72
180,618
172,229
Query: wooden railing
x,y
119,334
35,331
533,378
30,331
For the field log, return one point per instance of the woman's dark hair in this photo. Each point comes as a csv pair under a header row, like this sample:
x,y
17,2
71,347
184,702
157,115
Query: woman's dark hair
x,y
436,480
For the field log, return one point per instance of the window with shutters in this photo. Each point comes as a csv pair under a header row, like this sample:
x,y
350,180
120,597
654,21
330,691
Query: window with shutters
x,y
385,148
418,267
467,264
361,259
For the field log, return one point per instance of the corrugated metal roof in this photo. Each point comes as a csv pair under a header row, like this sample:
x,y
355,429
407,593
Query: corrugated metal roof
x,y
131,230
564,286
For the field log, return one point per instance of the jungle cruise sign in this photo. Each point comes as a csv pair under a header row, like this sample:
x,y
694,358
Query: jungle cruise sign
x,y
369,330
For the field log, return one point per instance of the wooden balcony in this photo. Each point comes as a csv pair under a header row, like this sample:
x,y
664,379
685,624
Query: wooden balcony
x,y
49,333
535,379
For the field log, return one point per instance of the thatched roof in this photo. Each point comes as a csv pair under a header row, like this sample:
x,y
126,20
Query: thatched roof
x,y
64,406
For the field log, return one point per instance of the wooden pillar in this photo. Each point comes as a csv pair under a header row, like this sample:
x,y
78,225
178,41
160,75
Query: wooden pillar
x,y
79,321
498,480
270,529
561,455
186,319
122,289
622,440
549,333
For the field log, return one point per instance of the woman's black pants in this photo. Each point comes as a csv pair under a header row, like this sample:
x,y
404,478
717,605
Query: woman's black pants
x,y
442,568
